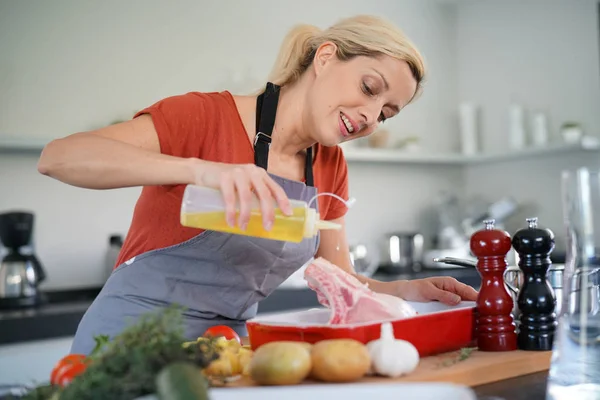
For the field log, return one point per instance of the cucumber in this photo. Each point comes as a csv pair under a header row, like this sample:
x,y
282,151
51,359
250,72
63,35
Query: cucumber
x,y
181,381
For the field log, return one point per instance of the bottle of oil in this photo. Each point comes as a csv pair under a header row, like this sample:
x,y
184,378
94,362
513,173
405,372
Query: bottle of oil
x,y
204,208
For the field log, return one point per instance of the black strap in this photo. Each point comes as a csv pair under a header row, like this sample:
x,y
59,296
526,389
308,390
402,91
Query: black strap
x,y
266,109
308,171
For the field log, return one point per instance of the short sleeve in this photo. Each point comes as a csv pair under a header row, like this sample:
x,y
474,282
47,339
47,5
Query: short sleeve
x,y
179,123
336,208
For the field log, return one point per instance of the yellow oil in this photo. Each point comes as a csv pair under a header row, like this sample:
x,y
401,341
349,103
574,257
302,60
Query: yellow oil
x,y
286,228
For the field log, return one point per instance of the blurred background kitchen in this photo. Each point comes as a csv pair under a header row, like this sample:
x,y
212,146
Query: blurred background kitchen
x,y
512,98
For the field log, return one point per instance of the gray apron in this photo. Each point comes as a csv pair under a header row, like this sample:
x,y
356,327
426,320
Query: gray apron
x,y
218,277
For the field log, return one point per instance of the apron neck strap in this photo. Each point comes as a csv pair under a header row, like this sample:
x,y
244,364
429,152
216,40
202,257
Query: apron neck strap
x,y
266,109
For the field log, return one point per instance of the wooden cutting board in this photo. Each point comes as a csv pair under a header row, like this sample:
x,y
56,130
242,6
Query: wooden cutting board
x,y
477,369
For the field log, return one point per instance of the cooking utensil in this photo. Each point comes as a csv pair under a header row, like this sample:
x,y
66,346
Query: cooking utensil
x,y
402,251
312,326
456,261
363,262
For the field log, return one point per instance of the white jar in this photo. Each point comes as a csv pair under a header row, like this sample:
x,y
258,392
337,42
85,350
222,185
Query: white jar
x,y
516,127
539,130
469,136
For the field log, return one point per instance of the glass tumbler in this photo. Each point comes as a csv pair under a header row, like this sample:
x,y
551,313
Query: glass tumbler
x,y
575,363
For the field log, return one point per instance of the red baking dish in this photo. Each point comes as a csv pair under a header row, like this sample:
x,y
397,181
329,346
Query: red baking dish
x,y
436,329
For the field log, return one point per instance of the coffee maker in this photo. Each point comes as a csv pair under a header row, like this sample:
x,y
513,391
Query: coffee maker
x,y
20,270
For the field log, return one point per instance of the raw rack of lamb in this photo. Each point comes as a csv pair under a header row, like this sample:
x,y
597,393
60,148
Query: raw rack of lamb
x,y
349,300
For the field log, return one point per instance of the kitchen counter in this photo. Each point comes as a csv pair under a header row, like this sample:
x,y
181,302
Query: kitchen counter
x,y
59,316
526,387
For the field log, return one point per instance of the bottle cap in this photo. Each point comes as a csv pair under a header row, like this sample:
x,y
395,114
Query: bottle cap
x,y
314,224
321,224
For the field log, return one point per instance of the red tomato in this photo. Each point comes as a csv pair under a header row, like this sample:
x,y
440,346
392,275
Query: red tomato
x,y
222,330
68,368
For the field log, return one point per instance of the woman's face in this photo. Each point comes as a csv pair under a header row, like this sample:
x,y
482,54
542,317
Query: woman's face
x,y
347,100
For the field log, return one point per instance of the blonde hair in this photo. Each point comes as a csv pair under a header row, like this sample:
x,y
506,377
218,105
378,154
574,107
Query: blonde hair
x,y
362,35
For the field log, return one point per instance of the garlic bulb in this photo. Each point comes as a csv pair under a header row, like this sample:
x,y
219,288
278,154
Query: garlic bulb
x,y
390,356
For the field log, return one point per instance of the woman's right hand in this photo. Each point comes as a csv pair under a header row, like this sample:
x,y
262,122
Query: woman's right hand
x,y
238,183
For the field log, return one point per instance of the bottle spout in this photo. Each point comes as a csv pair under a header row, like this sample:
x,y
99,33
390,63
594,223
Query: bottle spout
x,y
321,224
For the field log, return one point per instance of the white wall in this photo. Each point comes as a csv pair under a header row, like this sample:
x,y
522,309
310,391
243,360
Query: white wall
x,y
545,56
68,66
72,225
81,65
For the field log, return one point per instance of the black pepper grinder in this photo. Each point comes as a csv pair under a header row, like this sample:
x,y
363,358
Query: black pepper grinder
x,y
536,301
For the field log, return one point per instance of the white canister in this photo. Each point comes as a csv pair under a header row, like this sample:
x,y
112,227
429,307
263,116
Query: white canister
x,y
469,136
516,127
539,130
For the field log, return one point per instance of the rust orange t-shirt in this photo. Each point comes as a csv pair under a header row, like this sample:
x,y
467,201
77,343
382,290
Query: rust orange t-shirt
x,y
208,126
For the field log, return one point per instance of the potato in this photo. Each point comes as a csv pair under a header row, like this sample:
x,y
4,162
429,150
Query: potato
x,y
280,363
339,360
307,345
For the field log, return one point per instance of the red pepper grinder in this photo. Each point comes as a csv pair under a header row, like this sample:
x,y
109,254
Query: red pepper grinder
x,y
496,329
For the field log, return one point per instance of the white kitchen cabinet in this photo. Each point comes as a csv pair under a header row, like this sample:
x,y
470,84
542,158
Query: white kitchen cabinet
x,y
31,362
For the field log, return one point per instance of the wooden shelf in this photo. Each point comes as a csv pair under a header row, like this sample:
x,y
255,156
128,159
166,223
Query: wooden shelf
x,y
399,157
10,144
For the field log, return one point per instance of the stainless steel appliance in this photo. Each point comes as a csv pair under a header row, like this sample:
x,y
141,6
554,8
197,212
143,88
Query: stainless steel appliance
x,y
401,252
363,261
115,243
20,270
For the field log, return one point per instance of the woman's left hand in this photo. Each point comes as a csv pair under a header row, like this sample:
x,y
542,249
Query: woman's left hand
x,y
442,288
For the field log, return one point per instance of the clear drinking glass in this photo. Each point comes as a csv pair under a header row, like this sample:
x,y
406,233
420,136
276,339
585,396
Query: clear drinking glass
x,y
575,365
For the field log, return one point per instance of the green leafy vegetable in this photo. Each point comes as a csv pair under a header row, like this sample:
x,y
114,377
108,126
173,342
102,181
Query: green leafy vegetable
x,y
462,355
127,366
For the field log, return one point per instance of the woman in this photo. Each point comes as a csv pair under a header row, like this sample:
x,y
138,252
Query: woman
x,y
326,87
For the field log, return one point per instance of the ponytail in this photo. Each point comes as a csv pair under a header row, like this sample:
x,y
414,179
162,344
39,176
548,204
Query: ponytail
x,y
361,35
295,54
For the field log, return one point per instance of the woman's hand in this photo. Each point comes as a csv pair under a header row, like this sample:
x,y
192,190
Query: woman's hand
x,y
442,288
238,183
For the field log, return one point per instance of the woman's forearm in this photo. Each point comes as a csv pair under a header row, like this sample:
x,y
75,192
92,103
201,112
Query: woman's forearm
x,y
379,286
96,162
